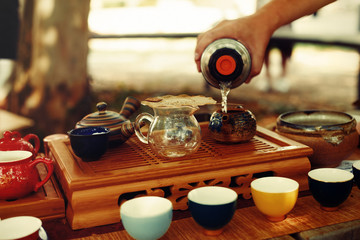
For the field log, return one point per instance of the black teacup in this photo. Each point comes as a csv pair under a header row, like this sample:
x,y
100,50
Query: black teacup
x,y
89,143
330,186
356,172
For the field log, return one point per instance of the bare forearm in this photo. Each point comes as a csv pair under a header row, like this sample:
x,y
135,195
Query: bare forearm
x,y
255,30
280,12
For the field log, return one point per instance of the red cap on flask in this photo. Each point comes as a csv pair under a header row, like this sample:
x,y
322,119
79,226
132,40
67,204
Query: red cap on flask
x,y
225,65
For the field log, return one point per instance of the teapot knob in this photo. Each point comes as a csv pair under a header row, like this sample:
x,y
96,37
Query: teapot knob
x,y
101,107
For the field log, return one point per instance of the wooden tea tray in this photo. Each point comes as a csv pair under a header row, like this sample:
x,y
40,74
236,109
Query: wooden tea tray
x,y
46,203
95,190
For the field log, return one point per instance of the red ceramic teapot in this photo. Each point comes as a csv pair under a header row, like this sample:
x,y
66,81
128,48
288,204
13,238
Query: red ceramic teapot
x,y
13,141
19,175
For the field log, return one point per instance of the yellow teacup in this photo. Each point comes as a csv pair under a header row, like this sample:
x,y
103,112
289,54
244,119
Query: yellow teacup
x,y
274,196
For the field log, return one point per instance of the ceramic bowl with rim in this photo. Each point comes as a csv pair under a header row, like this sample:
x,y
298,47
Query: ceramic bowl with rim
x,y
274,196
212,207
89,143
146,218
356,172
21,227
330,186
331,134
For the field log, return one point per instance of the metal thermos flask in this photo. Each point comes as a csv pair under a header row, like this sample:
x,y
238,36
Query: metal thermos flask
x,y
225,61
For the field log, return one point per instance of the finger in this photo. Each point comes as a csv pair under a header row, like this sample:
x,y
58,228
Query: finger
x,y
204,40
198,65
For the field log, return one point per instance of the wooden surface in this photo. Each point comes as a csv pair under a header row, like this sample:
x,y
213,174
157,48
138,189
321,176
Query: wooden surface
x,y
46,203
134,161
345,230
132,169
249,223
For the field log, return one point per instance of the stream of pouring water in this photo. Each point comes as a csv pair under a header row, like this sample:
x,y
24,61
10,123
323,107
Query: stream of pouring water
x,y
224,89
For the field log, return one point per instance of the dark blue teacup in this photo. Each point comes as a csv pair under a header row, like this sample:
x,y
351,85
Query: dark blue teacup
x,y
212,207
356,172
330,186
89,143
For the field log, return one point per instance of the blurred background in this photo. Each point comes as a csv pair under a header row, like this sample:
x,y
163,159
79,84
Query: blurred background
x,y
318,76
146,48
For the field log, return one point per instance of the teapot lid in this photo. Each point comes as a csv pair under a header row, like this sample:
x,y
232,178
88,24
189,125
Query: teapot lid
x,y
12,141
103,117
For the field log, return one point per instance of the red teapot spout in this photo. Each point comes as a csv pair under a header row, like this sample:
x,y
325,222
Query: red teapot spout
x,y
13,141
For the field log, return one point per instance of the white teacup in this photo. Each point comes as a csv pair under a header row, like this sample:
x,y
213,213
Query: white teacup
x,y
22,227
146,218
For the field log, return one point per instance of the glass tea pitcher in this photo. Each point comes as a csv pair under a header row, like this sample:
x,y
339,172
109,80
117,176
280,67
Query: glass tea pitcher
x,y
173,131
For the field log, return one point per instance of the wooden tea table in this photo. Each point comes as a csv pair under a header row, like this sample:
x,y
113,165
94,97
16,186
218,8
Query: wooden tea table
x,y
305,221
95,190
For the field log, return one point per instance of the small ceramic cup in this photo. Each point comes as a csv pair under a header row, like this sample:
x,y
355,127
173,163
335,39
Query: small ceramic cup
x,y
22,227
212,207
356,172
146,218
274,196
330,186
89,143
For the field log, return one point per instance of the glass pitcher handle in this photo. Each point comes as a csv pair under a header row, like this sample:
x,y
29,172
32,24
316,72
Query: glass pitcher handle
x,y
141,117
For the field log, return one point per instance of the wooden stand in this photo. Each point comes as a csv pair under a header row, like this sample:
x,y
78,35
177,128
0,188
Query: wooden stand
x,y
46,203
95,190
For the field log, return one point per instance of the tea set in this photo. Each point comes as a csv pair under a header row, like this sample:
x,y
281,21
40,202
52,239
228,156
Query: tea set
x,y
212,207
173,132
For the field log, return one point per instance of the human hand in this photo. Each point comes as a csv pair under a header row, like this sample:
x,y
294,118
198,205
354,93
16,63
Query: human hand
x,y
250,31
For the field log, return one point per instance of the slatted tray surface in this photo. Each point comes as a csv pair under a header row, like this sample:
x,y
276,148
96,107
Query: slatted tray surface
x,y
136,155
135,160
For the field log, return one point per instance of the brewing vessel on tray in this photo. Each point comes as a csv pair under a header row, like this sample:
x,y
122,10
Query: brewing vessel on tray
x,y
173,131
